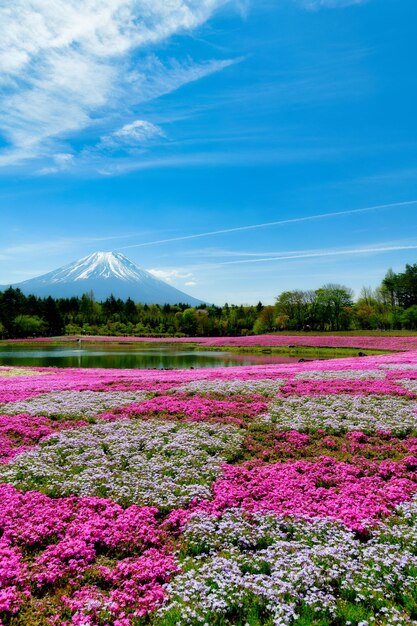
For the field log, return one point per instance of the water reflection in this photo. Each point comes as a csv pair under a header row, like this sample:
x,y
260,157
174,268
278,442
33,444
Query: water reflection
x,y
159,357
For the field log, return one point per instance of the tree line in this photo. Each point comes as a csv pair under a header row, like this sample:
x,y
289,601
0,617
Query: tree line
x,y
30,316
391,306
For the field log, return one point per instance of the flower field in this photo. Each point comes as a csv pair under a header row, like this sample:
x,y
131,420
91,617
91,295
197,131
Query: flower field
x,y
372,342
269,495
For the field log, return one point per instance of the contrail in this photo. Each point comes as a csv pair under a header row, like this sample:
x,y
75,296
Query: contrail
x,y
293,220
322,253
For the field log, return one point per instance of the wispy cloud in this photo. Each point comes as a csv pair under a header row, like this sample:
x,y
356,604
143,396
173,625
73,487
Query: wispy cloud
x,y
311,254
225,158
59,244
66,66
293,220
71,74
61,162
286,256
332,4
116,153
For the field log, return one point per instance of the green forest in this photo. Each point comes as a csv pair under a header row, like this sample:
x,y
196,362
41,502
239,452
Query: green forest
x,y
391,306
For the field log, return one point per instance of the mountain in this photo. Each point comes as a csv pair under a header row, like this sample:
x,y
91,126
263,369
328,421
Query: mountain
x,y
105,273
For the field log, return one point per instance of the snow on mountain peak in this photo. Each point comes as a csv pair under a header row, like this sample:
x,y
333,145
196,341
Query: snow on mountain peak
x,y
104,265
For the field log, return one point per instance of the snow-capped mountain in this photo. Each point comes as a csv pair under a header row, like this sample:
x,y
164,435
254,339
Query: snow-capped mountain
x,y
105,273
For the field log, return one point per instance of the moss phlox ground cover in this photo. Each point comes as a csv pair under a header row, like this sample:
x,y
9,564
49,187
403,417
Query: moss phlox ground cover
x,y
268,495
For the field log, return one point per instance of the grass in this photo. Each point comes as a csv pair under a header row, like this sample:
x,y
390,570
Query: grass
x,y
295,351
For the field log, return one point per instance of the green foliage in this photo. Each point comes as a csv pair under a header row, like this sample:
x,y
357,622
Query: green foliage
x,y
28,326
401,289
331,308
85,316
327,308
409,317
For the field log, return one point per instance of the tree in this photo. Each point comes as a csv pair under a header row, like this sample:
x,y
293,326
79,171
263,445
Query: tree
x,y
401,289
28,326
12,304
409,318
265,322
189,322
334,305
296,307
202,322
371,310
53,318
389,288
89,310
130,311
282,321
113,308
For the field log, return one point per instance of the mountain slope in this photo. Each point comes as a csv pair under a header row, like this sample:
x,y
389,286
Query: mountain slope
x,y
105,273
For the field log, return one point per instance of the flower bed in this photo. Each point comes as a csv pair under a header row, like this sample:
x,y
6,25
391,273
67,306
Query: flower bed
x,y
85,403
270,495
357,493
342,413
196,408
148,463
269,570
82,558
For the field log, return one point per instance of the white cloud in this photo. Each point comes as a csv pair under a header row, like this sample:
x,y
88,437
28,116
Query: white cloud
x,y
138,131
63,158
172,275
65,63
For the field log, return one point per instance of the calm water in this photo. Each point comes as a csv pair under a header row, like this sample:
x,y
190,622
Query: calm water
x,y
158,357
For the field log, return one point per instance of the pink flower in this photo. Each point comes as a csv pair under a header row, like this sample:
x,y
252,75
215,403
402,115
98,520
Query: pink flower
x,y
355,493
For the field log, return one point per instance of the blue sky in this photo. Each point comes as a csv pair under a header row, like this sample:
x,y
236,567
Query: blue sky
x,y
128,122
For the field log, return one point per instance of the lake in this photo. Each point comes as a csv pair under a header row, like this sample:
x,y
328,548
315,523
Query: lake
x,y
158,357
